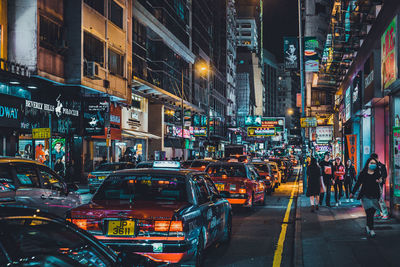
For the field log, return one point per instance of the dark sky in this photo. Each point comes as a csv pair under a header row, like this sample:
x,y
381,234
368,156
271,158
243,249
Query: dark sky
x,y
280,19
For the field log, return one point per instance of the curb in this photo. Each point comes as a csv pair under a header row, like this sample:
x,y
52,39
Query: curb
x,y
298,246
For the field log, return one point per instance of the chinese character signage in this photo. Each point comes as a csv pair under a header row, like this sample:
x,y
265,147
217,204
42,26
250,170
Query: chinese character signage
x,y
260,131
253,121
310,54
396,160
389,55
291,58
308,122
324,134
347,104
352,148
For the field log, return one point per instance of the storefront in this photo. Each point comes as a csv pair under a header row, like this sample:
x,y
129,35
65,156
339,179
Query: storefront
x,y
11,112
50,129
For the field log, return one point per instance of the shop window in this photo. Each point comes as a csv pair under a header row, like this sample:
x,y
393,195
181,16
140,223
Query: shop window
x,y
116,14
50,34
115,63
97,5
137,102
93,49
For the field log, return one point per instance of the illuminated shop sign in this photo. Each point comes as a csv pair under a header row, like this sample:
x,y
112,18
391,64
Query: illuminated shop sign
x,y
260,131
389,55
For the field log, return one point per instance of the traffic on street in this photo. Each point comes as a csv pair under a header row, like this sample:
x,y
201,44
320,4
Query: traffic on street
x,y
222,133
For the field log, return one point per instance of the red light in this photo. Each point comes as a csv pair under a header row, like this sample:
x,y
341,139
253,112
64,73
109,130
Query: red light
x,y
176,226
242,191
161,226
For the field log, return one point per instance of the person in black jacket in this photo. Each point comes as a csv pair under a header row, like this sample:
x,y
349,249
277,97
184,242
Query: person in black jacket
x,y
369,180
382,213
314,183
349,179
327,175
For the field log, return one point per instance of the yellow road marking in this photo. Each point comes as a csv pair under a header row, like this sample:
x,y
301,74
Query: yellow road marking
x,y
282,236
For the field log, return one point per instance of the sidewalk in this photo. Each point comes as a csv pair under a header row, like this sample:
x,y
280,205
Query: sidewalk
x,y
336,237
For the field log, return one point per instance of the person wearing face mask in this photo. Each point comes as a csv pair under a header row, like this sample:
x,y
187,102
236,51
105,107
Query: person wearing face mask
x,y
382,213
338,170
369,180
349,179
327,175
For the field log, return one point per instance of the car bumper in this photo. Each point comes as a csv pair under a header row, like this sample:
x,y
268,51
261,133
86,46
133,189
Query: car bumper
x,y
168,249
238,199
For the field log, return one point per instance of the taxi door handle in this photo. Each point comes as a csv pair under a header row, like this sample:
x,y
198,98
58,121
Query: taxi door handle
x,y
43,197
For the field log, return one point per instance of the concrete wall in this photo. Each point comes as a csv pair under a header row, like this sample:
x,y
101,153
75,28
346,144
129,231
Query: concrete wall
x,y
156,127
22,32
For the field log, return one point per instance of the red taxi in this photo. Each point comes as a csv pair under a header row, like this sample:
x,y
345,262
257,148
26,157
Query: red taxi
x,y
265,171
168,215
238,182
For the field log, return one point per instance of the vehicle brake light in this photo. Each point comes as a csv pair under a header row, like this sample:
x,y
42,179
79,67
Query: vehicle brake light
x,y
242,191
87,225
165,226
176,226
268,177
224,176
91,176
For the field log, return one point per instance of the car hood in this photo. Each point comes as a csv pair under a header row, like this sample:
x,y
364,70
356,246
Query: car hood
x,y
122,208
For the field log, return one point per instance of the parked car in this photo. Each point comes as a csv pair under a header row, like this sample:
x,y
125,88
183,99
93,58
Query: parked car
x,y
144,164
30,183
238,182
276,172
265,171
96,177
200,164
167,214
30,237
282,167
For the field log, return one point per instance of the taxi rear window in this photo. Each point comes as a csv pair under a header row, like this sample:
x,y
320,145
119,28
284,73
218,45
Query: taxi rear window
x,y
143,188
261,167
228,170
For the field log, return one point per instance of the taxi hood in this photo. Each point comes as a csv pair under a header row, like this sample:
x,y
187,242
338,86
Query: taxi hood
x,y
122,208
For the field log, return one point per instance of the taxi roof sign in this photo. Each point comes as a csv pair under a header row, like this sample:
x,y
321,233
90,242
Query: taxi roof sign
x,y
167,164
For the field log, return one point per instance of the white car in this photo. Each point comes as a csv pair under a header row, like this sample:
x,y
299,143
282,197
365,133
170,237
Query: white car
x,y
32,184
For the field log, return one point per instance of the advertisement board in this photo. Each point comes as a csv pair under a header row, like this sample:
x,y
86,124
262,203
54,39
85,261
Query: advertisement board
x,y
260,131
291,54
11,111
389,69
274,122
94,115
347,104
352,148
252,121
311,57
308,122
324,134
396,161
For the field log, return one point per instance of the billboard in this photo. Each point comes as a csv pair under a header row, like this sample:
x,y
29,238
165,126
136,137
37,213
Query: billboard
x,y
260,131
94,116
291,55
252,121
311,59
308,122
347,104
389,55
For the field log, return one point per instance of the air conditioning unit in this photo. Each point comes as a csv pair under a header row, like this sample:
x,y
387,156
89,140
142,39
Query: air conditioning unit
x,y
92,70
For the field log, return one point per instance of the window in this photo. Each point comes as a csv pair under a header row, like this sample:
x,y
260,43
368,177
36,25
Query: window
x,y
27,175
50,35
246,33
211,186
93,49
115,63
116,14
50,179
201,188
97,5
6,179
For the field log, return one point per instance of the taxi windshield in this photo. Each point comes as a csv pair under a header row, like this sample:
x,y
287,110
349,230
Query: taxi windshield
x,y
228,170
199,163
261,167
143,188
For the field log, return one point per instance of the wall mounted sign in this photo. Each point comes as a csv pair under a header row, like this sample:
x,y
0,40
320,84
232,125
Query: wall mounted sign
x,y
347,104
396,161
352,148
389,55
94,116
260,131
311,59
11,111
291,54
41,133
308,122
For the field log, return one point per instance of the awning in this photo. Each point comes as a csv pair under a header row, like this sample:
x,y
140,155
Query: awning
x,y
137,134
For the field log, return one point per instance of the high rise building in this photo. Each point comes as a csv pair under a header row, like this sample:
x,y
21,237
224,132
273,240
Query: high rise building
x,y
270,70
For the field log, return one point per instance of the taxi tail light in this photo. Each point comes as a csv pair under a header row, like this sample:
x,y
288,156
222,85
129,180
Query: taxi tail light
x,y
268,177
242,191
168,226
85,224
91,176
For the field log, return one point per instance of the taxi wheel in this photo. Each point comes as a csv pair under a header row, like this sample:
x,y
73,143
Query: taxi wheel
x,y
199,256
228,231
264,200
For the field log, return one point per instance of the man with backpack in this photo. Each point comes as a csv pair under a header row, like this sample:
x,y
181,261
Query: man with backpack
x,y
383,212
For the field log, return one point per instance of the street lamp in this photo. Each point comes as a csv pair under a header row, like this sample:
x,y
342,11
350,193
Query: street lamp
x,y
202,67
290,111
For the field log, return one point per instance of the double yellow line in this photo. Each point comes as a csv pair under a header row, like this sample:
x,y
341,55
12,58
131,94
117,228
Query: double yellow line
x,y
279,249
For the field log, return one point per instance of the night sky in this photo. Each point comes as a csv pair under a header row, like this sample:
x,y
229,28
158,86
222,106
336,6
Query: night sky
x,y
280,19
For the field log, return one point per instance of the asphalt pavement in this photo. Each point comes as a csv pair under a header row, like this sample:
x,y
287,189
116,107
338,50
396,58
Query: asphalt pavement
x,y
256,234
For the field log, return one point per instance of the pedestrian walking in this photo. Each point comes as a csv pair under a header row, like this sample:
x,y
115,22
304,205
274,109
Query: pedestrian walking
x,y
338,171
382,213
369,180
349,179
327,175
313,183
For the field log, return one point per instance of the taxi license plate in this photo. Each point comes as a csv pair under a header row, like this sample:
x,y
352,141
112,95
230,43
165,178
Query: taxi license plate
x,y
220,187
101,177
121,228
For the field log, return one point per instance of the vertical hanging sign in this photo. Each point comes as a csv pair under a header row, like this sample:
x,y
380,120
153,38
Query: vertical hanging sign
x,y
352,148
396,161
389,69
